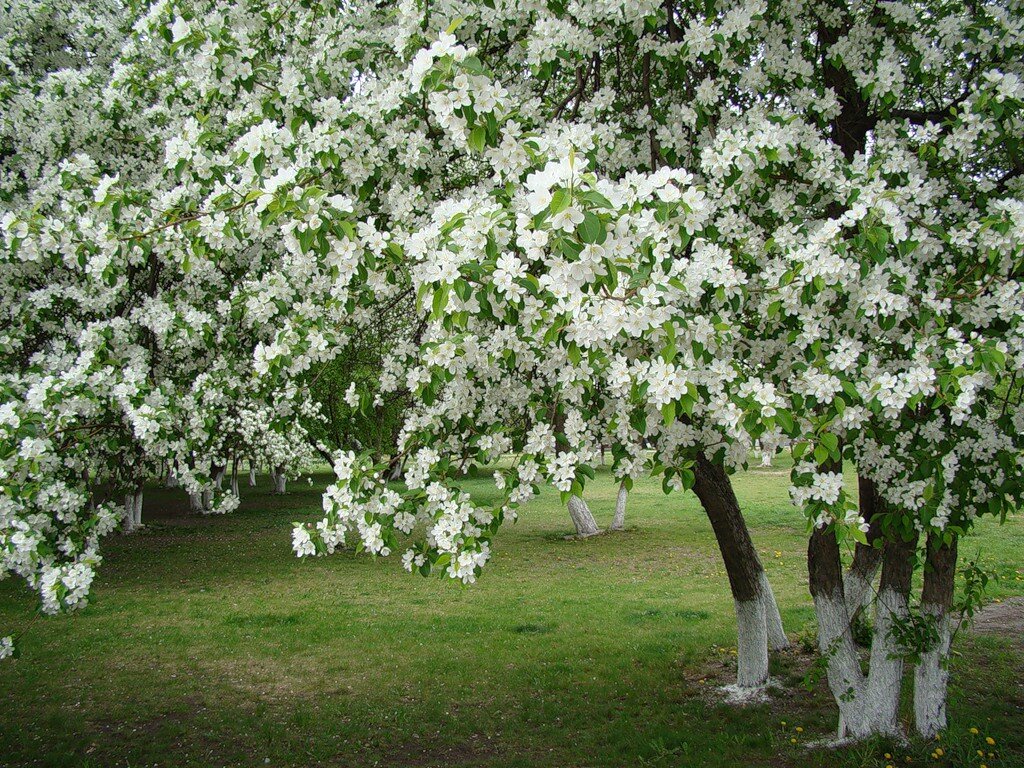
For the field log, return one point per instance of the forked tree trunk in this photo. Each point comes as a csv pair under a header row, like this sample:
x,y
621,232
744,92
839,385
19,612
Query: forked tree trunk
x,y
931,677
868,705
757,615
582,518
133,509
280,481
619,521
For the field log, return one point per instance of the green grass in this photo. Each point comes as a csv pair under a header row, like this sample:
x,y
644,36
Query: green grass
x,y
209,644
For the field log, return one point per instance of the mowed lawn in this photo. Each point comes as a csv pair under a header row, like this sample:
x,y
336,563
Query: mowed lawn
x,y
209,644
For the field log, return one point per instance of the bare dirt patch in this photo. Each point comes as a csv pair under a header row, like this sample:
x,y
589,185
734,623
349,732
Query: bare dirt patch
x,y
1004,618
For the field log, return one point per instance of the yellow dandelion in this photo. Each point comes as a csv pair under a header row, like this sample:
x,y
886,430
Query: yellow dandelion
x,y
888,756
974,731
939,752
792,741
981,753
935,756
799,729
990,741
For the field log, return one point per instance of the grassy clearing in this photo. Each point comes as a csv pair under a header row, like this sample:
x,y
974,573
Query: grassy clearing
x,y
209,644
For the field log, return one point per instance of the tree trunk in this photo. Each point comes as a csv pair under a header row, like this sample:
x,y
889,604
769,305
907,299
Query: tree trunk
x,y
931,677
252,475
835,640
280,481
172,479
234,476
195,501
867,558
582,518
885,674
619,521
137,509
757,615
868,705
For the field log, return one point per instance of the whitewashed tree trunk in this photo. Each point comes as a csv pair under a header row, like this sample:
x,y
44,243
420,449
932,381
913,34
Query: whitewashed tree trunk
x,y
195,501
868,705
777,640
619,521
133,509
218,479
757,615
867,558
252,475
931,676
582,518
280,481
129,512
751,646
172,479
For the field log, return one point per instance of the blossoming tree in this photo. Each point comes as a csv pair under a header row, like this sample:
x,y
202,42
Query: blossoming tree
x,y
714,231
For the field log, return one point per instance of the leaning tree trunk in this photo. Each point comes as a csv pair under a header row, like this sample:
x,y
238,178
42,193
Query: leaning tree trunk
x,y
931,677
757,615
582,518
619,521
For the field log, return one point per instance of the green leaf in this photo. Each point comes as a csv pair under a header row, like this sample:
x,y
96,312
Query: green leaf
x,y
668,413
559,201
478,138
591,230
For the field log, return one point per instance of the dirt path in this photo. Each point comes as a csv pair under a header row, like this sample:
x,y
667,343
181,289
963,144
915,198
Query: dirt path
x,y
1005,618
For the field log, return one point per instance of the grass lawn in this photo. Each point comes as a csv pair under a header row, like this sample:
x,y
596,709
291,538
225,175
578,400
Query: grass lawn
x,y
210,644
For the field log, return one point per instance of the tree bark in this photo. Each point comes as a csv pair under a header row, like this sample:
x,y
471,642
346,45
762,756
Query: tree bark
x,y
619,521
757,618
582,518
885,674
867,558
931,676
835,640
868,705
280,481
252,474
234,476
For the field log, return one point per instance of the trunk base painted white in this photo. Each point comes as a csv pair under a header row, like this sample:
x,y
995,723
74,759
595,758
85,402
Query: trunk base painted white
x,y
885,674
280,481
777,640
252,476
931,679
582,518
751,644
133,511
619,521
857,590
